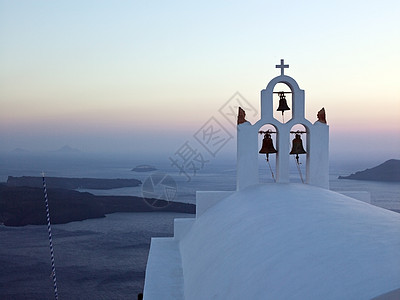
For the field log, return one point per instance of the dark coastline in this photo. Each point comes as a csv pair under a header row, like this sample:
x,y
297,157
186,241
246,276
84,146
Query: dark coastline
x,y
20,206
389,171
73,183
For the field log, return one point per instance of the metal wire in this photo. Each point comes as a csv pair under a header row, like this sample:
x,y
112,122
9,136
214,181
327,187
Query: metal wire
x,y
272,172
53,267
298,167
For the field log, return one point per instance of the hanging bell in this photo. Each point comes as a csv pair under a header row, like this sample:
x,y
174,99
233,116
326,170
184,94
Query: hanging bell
x,y
297,147
282,102
267,145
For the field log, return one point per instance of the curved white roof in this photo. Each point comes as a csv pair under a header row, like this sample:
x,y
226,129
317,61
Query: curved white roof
x,y
288,241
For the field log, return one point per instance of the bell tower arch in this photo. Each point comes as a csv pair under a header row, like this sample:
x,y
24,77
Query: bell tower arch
x,y
317,152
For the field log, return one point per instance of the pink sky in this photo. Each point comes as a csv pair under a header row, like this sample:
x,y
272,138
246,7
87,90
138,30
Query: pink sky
x,y
105,77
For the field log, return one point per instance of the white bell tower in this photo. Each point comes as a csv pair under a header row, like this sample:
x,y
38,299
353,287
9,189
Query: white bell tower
x,y
317,134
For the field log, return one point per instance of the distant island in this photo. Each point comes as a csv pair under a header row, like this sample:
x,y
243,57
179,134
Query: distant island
x,y
22,205
144,168
388,171
67,149
73,183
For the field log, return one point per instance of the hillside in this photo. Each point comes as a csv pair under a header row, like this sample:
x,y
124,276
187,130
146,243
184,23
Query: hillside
x,y
388,171
72,183
21,206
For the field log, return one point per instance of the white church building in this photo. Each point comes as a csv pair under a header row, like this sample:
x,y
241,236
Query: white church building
x,y
279,240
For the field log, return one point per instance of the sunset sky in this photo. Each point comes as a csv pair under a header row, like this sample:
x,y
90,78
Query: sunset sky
x,y
139,76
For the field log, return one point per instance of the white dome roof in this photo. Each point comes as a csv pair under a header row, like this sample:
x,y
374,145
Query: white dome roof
x,y
288,241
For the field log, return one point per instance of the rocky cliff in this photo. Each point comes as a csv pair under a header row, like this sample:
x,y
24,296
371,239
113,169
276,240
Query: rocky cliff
x,y
388,171
73,183
21,206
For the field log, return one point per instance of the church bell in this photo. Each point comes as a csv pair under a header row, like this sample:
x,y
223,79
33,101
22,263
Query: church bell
x,y
297,147
282,102
267,145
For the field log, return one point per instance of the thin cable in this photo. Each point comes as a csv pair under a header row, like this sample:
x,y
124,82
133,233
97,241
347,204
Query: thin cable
x,y
53,267
298,167
272,172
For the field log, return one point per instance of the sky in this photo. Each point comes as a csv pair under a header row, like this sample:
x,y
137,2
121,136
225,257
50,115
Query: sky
x,y
145,76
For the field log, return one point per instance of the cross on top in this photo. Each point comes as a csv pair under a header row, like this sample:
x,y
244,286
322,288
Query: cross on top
x,y
282,66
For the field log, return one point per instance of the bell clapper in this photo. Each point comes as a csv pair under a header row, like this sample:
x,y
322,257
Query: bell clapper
x,y
297,159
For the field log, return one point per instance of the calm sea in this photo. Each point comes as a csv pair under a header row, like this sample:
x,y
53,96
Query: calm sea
x,y
106,258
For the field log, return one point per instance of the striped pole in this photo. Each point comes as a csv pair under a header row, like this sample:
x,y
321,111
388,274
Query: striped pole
x,y
53,267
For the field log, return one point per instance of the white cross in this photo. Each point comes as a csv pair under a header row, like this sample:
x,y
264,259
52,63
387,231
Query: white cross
x,y
282,66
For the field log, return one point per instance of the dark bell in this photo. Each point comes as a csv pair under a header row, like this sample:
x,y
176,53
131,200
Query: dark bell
x,y
282,103
297,145
267,145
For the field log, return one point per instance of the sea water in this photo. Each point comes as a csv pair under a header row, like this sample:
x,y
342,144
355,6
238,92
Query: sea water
x,y
95,259
105,258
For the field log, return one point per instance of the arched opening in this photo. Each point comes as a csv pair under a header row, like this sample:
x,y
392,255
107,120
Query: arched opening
x,y
267,153
282,102
298,153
